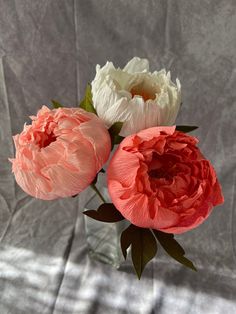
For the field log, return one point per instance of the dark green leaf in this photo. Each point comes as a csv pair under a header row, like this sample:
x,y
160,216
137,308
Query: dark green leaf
x,y
106,213
114,131
118,139
173,248
115,128
87,102
143,246
56,104
126,238
186,128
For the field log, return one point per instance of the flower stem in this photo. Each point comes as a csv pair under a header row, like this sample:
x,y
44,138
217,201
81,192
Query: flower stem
x,y
93,186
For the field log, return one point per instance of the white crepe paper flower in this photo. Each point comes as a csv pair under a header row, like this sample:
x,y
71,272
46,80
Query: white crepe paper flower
x,y
135,96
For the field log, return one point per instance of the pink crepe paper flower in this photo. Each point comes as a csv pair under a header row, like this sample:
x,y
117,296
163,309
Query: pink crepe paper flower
x,y
60,153
159,179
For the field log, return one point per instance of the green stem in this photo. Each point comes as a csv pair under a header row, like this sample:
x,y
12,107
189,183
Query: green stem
x,y
93,186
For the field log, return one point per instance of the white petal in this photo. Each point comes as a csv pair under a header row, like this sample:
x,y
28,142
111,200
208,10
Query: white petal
x,y
106,68
137,65
152,114
105,98
118,111
178,84
136,120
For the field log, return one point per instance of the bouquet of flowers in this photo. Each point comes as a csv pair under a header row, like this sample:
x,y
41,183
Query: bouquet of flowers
x,y
158,180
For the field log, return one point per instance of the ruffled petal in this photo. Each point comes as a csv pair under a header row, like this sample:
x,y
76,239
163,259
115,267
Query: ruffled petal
x,y
124,169
137,65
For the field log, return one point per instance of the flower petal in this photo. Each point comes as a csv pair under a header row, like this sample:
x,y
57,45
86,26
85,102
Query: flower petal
x,y
137,65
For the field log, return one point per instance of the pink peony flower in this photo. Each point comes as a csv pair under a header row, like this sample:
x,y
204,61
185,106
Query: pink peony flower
x,y
60,153
159,179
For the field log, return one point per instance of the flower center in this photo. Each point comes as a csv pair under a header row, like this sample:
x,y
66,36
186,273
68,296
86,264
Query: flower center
x,y
145,94
45,141
46,137
146,88
162,167
159,174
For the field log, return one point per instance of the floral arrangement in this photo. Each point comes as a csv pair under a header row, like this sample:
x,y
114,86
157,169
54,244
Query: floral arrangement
x,y
158,179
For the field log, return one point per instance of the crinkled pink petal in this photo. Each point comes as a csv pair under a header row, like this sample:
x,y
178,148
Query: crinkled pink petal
x,y
34,184
148,134
124,168
93,134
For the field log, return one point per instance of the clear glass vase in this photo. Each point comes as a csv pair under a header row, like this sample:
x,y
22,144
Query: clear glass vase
x,y
103,239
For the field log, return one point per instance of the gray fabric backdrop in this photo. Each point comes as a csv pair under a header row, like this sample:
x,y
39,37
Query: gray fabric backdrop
x,y
48,50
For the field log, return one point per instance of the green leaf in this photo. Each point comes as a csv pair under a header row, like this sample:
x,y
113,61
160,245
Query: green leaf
x,y
186,128
56,104
115,128
118,139
114,131
173,248
143,246
87,102
105,213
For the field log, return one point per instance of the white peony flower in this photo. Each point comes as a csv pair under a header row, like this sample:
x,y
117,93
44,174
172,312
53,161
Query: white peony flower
x,y
135,96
